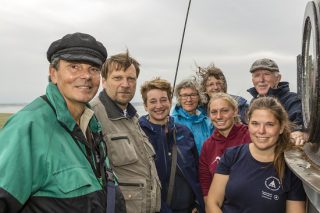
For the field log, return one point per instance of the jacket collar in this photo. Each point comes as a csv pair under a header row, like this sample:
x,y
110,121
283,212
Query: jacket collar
x,y
113,110
198,117
240,100
283,87
144,122
233,133
62,112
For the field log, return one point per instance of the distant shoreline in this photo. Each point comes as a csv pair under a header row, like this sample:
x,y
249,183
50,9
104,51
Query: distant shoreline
x,y
15,107
3,118
11,108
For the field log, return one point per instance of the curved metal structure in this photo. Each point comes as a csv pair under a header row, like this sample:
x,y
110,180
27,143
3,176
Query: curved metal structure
x,y
306,162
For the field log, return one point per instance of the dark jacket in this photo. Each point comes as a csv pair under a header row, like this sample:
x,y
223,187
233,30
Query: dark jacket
x,y
186,181
242,108
290,101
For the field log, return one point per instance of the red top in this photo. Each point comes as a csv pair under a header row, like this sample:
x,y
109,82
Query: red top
x,y
214,147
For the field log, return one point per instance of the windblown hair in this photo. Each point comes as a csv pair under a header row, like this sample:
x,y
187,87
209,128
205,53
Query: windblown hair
x,y
189,83
156,83
119,62
211,71
228,98
283,143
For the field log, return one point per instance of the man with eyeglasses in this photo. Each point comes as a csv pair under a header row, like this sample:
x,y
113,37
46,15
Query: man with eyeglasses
x,y
53,157
189,111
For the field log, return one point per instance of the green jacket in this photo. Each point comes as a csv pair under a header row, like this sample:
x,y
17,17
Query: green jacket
x,y
42,167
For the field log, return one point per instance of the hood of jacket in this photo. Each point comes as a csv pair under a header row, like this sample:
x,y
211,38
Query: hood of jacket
x,y
144,122
234,132
240,100
178,111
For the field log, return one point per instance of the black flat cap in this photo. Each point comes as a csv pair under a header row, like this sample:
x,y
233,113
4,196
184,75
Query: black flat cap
x,y
78,47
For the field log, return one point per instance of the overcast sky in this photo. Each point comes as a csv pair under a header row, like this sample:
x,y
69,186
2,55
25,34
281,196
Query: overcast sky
x,y
230,33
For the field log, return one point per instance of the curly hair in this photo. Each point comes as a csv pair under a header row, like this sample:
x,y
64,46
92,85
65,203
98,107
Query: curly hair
x,y
204,73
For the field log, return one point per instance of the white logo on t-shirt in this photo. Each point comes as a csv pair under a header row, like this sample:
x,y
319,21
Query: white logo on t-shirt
x,y
217,160
272,183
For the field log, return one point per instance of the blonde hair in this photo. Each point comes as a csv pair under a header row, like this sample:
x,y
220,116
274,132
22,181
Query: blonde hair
x,y
228,98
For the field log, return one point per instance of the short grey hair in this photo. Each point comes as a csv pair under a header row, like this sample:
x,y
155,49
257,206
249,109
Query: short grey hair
x,y
55,64
189,83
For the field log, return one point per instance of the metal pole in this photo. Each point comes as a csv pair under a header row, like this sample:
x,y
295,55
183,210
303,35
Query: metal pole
x,y
184,30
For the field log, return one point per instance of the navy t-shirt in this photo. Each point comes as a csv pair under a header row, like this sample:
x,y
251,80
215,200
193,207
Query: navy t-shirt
x,y
253,186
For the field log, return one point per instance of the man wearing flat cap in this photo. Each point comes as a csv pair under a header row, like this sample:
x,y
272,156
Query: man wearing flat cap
x,y
52,151
266,81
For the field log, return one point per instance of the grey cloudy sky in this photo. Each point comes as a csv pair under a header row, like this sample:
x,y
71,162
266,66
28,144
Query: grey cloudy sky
x,y
230,33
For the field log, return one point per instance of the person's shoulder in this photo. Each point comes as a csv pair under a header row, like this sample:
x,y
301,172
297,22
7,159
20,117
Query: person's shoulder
x,y
232,156
178,114
286,95
182,129
242,127
183,132
240,100
36,118
209,143
236,150
95,102
175,110
37,110
143,121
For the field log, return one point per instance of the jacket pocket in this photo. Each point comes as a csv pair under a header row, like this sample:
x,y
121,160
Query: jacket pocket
x,y
149,148
121,150
74,180
134,194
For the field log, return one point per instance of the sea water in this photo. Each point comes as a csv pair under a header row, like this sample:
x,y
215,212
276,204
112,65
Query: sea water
x,y
13,108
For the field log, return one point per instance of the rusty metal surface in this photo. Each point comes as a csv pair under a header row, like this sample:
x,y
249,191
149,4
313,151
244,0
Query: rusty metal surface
x,y
307,169
313,152
313,204
304,168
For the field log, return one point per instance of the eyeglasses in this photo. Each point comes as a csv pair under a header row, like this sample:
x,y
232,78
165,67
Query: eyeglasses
x,y
218,84
186,96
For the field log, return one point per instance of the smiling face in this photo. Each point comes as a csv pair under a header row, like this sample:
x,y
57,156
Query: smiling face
x,y
264,129
189,99
158,106
214,85
222,115
263,80
77,82
120,85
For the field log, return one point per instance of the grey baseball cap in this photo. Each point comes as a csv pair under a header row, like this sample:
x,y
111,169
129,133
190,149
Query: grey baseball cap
x,y
264,64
